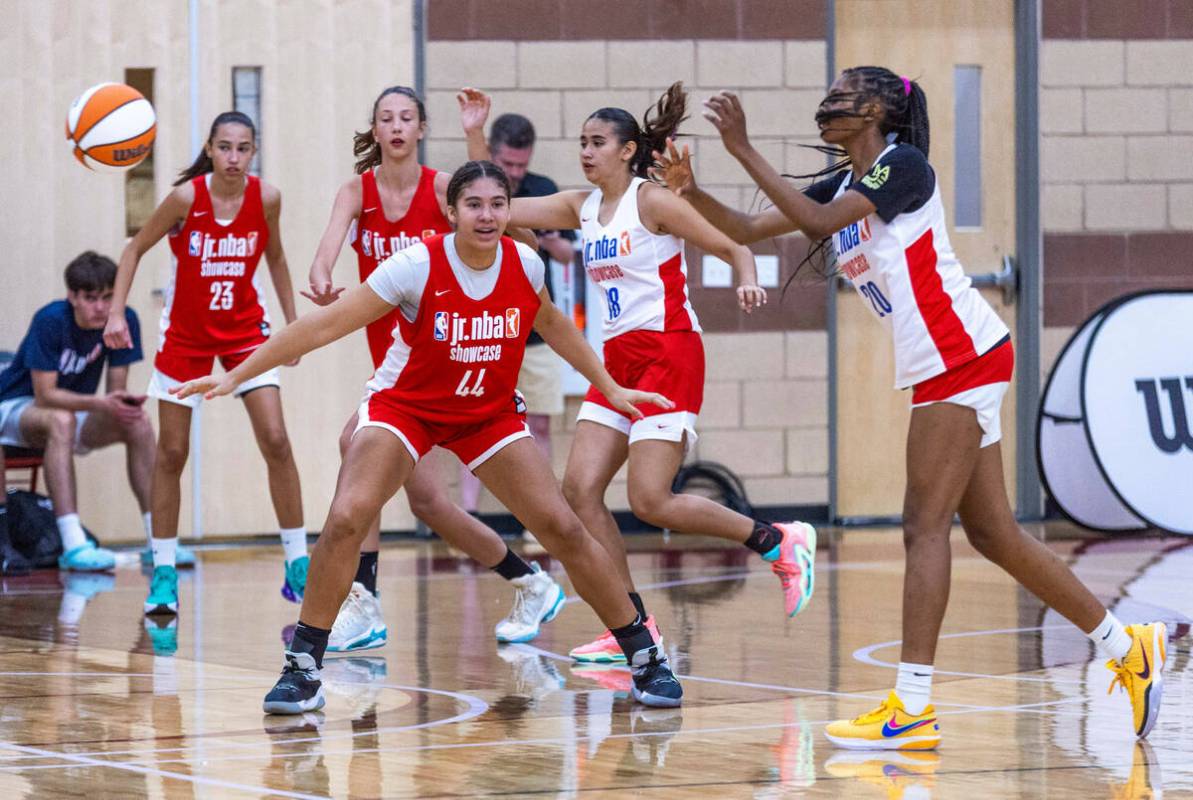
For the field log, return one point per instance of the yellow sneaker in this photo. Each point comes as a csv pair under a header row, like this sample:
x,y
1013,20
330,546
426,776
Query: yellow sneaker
x,y
888,727
899,774
1141,673
1144,782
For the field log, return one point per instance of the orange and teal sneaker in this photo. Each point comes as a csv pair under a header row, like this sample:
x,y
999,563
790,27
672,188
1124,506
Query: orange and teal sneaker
x,y
605,649
794,561
888,727
1141,674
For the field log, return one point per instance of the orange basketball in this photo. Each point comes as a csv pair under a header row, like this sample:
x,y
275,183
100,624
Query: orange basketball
x,y
111,127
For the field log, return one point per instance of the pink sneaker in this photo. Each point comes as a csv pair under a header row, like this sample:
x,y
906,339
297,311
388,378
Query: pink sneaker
x,y
796,564
605,649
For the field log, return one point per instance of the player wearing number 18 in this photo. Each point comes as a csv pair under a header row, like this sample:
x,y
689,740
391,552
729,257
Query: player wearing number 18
x,y
220,221
467,301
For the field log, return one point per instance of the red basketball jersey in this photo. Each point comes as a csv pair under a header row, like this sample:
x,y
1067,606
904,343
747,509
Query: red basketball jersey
x,y
458,361
212,304
376,239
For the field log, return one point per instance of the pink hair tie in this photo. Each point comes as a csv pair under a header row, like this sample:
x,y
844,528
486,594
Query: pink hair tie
x,y
906,85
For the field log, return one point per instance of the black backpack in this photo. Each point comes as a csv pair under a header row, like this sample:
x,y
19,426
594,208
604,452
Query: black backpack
x,y
33,529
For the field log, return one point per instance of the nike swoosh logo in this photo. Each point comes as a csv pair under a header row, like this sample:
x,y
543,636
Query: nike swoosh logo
x,y
1107,636
198,213
442,291
1147,667
889,729
585,219
367,210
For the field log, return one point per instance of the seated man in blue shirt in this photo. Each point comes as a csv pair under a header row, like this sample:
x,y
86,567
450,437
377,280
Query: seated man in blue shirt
x,y
48,401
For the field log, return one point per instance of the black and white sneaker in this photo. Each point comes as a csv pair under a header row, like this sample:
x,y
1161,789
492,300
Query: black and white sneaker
x,y
654,683
299,689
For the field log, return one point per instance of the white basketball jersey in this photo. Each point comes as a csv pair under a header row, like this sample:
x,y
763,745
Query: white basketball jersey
x,y
908,276
642,276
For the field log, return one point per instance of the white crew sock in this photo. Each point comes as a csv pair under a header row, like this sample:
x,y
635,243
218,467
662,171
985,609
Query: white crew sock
x,y
71,532
294,542
164,551
914,686
1111,638
147,521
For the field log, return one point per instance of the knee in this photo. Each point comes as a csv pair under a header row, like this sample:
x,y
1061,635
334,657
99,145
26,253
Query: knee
x,y
275,446
581,493
61,426
920,527
346,524
171,456
428,505
565,532
139,432
649,505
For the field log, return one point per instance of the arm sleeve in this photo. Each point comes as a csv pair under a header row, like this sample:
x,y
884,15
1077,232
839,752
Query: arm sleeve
x,y
128,355
824,191
45,343
536,270
395,279
903,181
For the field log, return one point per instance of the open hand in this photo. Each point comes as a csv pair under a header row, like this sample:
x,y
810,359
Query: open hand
x,y
627,400
750,296
209,387
474,108
322,293
673,168
724,111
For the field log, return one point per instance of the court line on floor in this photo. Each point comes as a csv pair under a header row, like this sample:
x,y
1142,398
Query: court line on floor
x,y
78,760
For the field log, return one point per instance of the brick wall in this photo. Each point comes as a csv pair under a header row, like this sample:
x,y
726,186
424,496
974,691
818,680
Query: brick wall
x,y
765,413
1116,118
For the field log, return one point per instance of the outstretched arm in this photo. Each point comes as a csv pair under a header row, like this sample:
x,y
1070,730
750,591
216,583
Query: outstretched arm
x,y
816,220
674,170
357,308
345,209
561,334
559,211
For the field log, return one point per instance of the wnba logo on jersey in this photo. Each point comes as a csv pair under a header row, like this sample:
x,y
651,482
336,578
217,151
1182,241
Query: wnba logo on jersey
x,y
441,326
513,319
227,246
850,237
607,247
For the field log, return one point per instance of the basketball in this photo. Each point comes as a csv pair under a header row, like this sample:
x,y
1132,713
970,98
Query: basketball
x,y
111,127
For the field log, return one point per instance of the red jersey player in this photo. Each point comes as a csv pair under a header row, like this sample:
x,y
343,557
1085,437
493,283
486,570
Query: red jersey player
x,y
396,202
465,302
220,221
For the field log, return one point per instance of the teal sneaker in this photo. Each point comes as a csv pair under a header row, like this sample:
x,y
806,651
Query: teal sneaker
x,y
183,557
163,634
88,558
163,592
296,579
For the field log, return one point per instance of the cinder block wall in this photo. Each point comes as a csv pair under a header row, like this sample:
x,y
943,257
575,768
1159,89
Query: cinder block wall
x,y
765,413
1116,119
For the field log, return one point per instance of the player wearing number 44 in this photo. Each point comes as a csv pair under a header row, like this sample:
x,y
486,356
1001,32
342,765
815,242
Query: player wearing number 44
x,y
432,391
220,220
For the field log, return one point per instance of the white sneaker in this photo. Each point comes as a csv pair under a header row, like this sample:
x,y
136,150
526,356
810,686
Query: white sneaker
x,y
359,625
539,599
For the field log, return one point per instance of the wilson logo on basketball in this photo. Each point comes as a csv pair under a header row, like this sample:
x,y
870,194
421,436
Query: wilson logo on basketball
x,y
1182,427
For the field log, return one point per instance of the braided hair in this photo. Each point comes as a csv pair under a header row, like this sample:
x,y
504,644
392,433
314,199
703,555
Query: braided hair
x,y
904,120
661,121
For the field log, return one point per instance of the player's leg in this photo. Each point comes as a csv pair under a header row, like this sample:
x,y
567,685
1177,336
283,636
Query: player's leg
x,y
56,431
377,464
942,451
538,598
1135,653
264,406
173,450
521,479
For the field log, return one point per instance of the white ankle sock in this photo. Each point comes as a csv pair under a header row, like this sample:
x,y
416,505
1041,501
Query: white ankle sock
x,y
147,521
1111,638
294,543
914,686
165,552
70,530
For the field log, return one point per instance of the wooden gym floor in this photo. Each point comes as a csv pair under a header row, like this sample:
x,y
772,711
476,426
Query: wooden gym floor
x,y
114,706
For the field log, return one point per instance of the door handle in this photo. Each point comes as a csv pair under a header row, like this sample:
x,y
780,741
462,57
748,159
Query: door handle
x,y
1007,279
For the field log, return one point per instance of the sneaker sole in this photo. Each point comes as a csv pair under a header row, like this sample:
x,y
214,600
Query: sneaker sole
x,y
810,547
71,568
290,594
1155,692
161,609
602,658
370,641
906,743
532,635
280,707
654,700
